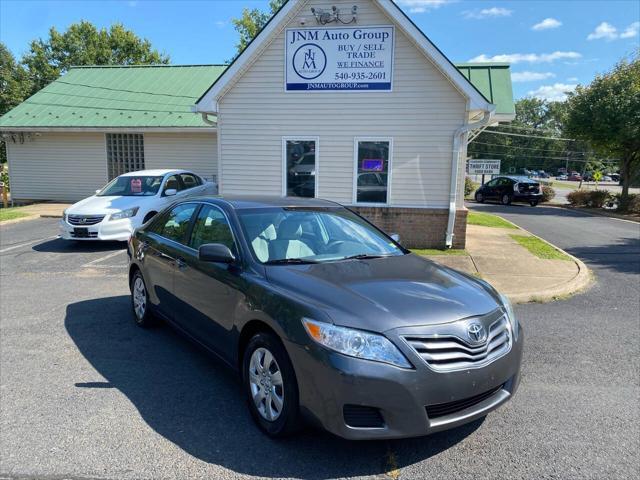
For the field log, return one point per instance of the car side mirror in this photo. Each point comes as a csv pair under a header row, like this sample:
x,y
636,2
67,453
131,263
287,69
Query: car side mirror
x,y
395,237
215,252
170,192
98,191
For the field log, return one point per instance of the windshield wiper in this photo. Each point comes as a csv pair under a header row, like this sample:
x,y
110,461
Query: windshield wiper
x,y
290,261
365,256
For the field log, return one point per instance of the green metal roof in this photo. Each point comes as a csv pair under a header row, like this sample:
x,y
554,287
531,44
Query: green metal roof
x,y
494,82
113,96
162,96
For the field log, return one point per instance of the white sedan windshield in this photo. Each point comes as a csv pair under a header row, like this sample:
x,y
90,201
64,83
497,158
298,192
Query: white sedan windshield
x,y
132,186
280,235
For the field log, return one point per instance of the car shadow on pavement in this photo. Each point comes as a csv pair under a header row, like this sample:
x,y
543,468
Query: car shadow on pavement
x,y
196,402
58,245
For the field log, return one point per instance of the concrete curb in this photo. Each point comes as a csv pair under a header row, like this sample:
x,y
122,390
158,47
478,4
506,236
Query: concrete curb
x,y
596,212
583,280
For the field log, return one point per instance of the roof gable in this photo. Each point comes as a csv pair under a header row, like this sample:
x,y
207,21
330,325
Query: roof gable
x,y
207,102
121,97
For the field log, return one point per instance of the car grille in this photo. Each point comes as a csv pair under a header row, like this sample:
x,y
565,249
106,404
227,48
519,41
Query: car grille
x,y
442,409
446,351
83,220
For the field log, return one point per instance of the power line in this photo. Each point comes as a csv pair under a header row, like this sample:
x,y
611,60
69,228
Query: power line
x,y
106,108
474,142
542,157
528,136
125,90
114,99
531,129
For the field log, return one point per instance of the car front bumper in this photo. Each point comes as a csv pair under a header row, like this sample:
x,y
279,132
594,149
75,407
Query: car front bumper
x,y
328,381
106,230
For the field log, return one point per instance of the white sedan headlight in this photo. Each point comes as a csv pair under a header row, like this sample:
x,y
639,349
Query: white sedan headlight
x,y
508,309
128,213
355,343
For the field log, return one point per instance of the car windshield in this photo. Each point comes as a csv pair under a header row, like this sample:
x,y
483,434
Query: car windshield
x,y
132,186
296,235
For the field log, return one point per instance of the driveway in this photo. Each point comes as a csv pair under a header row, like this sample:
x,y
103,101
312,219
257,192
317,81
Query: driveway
x,y
86,394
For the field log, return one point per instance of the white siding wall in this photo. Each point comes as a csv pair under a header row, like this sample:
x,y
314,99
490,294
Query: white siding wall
x,y
192,151
57,166
421,114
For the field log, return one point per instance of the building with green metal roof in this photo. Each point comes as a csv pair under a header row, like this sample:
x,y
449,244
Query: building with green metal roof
x,y
383,121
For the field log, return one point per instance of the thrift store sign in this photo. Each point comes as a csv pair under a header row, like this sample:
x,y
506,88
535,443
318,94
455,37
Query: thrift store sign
x,y
330,59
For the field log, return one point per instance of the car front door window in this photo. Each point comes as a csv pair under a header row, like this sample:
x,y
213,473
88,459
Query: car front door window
x,y
211,226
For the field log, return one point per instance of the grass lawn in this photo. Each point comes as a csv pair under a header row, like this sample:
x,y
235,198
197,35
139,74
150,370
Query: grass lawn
x,y
488,220
539,248
435,251
562,185
12,213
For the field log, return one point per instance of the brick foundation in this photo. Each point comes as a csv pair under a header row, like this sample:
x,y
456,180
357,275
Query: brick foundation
x,y
417,227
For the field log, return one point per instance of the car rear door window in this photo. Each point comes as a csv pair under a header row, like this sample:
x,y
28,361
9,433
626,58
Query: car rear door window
x,y
177,222
189,180
211,226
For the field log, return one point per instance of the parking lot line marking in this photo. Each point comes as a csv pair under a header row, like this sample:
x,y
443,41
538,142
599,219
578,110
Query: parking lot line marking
x,y
101,259
25,244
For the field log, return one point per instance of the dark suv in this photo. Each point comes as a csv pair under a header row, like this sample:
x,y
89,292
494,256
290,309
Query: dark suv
x,y
510,189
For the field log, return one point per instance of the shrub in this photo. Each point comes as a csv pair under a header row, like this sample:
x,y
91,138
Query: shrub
x,y
548,193
631,204
469,186
578,198
598,198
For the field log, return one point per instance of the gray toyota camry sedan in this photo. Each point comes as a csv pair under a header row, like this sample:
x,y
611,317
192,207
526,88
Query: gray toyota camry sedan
x,y
326,317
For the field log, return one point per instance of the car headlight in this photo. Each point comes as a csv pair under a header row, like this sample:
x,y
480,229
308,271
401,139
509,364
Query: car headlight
x,y
64,216
355,343
508,309
128,213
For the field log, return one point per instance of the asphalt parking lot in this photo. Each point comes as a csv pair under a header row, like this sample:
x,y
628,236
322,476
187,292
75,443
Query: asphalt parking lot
x,y
84,393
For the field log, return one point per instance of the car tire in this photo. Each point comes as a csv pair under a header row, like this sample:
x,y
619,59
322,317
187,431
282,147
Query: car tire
x,y
140,302
479,197
506,199
272,390
533,203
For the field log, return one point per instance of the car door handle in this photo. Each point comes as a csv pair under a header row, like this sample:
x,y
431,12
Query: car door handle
x,y
181,264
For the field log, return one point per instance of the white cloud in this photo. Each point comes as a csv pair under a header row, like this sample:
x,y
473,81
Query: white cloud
x,y
527,57
546,24
572,79
553,93
421,6
220,23
531,76
631,31
487,13
606,31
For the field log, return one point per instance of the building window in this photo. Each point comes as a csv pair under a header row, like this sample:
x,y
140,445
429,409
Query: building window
x,y
300,166
372,168
125,153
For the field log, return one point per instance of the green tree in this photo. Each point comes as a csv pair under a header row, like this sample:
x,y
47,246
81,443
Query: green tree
x,y
15,86
84,44
606,113
251,22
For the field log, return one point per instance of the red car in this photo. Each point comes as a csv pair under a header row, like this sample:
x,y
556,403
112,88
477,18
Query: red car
x,y
575,177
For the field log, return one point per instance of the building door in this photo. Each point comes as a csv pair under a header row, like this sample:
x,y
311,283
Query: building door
x,y
300,166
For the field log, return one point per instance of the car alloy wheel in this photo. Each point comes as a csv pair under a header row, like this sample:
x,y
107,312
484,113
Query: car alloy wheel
x,y
506,199
265,380
271,385
479,197
139,298
533,203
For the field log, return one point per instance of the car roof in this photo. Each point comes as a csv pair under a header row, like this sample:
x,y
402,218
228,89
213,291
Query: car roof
x,y
520,178
239,202
154,173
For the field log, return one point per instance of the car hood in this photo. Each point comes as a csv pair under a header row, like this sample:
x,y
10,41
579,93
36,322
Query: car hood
x,y
95,205
385,293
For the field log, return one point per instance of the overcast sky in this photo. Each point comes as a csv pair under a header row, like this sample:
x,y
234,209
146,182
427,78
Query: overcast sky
x,y
552,45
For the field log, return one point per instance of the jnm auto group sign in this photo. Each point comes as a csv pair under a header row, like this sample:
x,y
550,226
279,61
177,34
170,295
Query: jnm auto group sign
x,y
332,59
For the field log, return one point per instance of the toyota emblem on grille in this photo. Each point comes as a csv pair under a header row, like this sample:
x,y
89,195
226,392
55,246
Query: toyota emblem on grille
x,y
476,333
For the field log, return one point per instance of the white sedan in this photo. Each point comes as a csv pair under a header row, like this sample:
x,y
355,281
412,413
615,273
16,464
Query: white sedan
x,y
127,202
